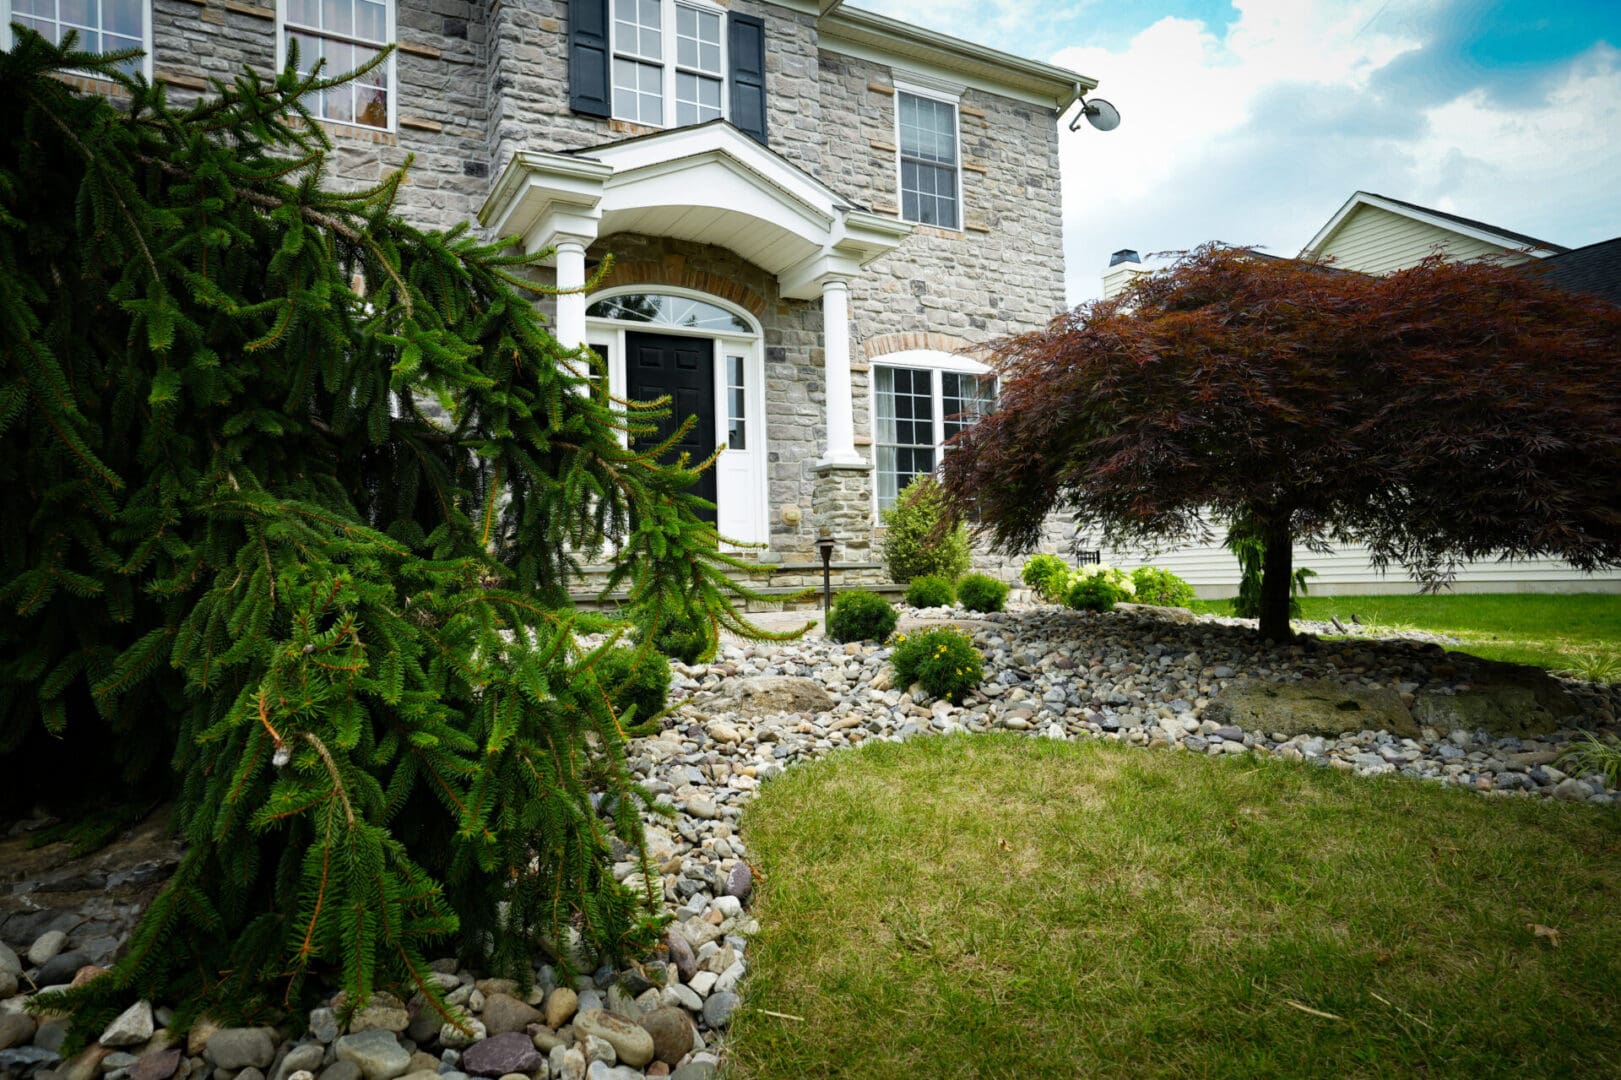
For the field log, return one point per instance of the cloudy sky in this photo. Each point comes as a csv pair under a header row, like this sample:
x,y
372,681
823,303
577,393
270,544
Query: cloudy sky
x,y
1251,122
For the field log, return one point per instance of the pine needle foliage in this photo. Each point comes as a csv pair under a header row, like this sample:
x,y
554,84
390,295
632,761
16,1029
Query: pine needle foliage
x,y
240,554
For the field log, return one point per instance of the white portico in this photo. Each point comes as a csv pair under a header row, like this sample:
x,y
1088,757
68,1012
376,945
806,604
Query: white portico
x,y
709,184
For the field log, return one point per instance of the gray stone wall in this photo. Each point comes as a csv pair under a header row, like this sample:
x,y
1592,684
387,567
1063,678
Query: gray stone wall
x,y
478,80
1003,273
440,82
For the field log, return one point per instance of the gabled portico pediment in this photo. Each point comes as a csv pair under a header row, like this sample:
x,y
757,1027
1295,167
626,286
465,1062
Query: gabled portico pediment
x,y
708,184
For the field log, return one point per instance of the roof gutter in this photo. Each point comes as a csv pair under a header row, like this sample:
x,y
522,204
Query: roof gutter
x,y
904,39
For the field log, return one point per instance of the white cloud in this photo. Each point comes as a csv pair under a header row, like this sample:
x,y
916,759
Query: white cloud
x,y
1259,134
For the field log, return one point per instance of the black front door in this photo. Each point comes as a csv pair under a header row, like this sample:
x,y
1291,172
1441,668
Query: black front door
x,y
683,368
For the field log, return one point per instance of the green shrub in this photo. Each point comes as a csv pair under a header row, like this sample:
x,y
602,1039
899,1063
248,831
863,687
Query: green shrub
x,y
682,639
644,686
981,592
1098,588
944,662
1048,575
1156,585
860,615
911,548
930,591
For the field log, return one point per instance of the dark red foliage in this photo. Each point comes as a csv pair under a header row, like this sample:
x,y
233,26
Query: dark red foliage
x,y
1448,412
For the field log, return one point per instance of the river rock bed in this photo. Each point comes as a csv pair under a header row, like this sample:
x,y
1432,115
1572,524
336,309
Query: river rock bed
x,y
1145,677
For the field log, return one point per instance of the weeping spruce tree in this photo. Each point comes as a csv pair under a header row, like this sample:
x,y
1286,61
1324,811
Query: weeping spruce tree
x,y
244,569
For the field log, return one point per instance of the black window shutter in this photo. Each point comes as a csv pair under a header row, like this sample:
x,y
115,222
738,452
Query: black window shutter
x,y
588,85
747,46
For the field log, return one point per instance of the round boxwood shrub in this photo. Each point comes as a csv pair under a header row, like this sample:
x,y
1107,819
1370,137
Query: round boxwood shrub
x,y
981,592
1098,588
860,615
643,685
1156,585
914,543
944,662
1048,575
678,637
930,591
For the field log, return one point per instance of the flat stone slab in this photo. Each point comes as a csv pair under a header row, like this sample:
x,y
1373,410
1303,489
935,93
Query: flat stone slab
x,y
1311,707
764,695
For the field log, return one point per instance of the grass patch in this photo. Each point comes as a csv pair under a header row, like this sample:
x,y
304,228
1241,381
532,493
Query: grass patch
x,y
1000,906
1548,630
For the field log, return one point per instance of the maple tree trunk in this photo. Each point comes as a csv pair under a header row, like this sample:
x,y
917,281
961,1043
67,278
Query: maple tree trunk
x,y
1277,572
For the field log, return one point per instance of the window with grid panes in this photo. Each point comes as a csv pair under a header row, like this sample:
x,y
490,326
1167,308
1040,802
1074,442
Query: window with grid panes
x,y
917,411
347,34
928,155
904,400
667,51
102,26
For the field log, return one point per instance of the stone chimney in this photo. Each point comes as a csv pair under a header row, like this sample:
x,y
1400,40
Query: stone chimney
x,y
1124,265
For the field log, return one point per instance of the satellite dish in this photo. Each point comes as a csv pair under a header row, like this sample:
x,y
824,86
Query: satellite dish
x,y
1099,113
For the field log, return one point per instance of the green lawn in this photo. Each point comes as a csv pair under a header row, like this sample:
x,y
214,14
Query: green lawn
x,y
1001,906
1545,630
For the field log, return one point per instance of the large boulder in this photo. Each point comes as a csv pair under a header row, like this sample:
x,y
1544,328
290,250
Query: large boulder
x,y
764,695
1311,707
1504,699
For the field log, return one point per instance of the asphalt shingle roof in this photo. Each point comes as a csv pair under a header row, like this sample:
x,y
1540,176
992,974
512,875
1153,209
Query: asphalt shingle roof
x,y
1594,269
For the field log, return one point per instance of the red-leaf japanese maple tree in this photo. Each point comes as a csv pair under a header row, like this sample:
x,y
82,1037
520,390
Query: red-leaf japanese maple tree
x,y
1449,412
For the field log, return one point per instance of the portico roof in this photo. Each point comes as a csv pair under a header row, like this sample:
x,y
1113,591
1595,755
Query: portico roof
x,y
709,184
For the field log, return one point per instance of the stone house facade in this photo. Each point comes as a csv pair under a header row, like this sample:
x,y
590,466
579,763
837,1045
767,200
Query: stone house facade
x,y
815,214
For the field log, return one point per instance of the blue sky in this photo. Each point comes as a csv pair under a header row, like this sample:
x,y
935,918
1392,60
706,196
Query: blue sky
x,y
1252,121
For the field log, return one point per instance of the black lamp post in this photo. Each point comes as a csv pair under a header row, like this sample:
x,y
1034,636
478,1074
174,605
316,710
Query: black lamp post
x,y
824,544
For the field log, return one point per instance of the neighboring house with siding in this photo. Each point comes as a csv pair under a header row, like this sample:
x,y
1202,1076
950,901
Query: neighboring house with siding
x,y
1376,234
816,214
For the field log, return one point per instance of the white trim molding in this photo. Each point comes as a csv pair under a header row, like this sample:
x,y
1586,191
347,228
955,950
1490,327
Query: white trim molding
x,y
708,184
867,35
1480,232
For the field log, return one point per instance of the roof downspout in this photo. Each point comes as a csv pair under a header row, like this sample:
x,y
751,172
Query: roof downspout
x,y
828,7
1074,95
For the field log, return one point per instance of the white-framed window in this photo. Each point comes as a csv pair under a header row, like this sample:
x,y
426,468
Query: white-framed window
x,y
920,400
927,141
346,34
669,62
103,26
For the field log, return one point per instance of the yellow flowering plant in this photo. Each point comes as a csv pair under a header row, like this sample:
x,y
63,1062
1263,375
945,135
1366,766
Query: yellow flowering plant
x,y
943,661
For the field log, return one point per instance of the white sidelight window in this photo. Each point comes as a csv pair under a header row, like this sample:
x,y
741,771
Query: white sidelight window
x,y
930,177
918,409
669,62
102,26
347,34
737,404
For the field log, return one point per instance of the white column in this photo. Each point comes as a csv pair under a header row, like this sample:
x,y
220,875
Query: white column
x,y
570,328
841,424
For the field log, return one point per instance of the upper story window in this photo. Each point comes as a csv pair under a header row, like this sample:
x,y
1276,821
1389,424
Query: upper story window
x,y
930,179
920,401
668,62
103,26
346,34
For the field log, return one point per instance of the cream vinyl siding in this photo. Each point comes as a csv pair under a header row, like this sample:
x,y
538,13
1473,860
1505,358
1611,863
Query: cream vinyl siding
x,y
1213,572
1375,241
